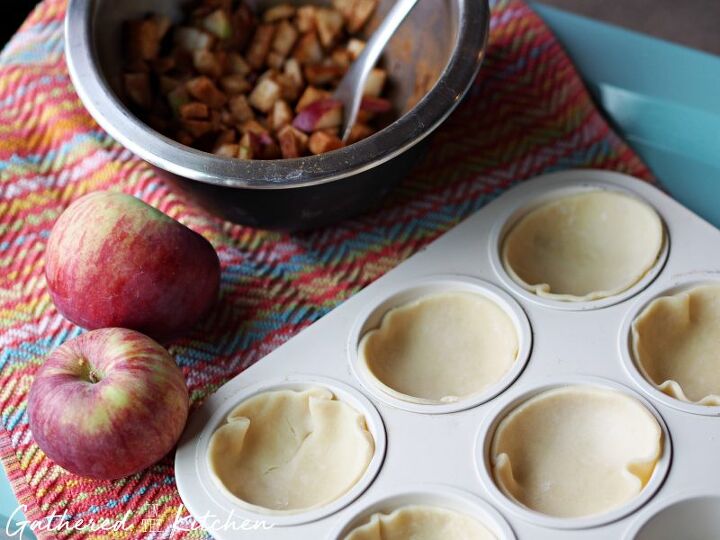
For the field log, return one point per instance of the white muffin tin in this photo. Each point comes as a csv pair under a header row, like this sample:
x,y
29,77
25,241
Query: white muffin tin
x,y
437,454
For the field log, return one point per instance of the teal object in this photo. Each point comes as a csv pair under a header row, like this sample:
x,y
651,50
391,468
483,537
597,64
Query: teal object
x,y
664,99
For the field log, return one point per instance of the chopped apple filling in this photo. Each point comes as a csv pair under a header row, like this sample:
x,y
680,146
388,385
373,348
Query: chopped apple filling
x,y
252,85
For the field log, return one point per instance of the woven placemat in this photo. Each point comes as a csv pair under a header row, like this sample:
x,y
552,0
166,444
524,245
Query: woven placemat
x,y
527,113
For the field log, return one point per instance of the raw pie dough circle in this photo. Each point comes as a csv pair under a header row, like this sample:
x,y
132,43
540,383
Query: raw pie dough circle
x,y
289,451
440,348
576,451
676,344
419,522
584,247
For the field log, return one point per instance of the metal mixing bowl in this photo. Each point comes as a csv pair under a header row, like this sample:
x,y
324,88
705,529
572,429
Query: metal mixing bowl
x,y
431,61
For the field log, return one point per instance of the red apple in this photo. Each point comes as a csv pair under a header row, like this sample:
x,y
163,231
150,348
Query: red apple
x,y
108,404
114,261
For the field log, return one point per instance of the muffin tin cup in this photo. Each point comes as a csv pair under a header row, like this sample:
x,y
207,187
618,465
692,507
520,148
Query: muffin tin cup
x,y
678,284
235,506
587,181
439,495
677,516
371,317
560,343
484,469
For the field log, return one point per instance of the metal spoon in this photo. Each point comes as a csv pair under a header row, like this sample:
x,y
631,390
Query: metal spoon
x,y
350,90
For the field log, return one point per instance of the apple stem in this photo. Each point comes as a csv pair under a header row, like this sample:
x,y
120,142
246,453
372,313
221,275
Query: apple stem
x,y
90,373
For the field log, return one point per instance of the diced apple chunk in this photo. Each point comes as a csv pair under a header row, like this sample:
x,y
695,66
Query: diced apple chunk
x,y
197,128
305,19
227,150
194,111
281,115
375,82
253,126
360,13
285,38
329,26
310,95
240,108
203,89
207,63
344,7
279,12
235,84
355,47
289,90
249,146
321,142
260,45
320,74
359,132
293,143
218,23
192,39
323,114
308,50
293,70
265,94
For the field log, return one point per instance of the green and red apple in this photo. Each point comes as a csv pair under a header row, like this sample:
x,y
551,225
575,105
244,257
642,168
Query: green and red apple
x,y
108,404
114,261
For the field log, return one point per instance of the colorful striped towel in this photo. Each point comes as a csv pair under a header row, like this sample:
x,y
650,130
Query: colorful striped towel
x,y
527,113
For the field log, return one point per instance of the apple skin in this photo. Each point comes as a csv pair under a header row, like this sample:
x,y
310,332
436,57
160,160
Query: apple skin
x,y
321,114
127,419
114,261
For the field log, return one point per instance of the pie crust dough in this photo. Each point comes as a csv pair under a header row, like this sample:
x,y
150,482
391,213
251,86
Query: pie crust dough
x,y
576,451
289,451
676,344
419,522
584,247
440,348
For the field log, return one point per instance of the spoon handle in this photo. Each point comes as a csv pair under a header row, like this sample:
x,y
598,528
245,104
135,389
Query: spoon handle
x,y
350,89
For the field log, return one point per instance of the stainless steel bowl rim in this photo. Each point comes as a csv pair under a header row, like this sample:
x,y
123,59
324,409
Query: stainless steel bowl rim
x,y
161,151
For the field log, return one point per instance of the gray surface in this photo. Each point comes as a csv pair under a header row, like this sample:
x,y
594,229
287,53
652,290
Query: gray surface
x,y
695,23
